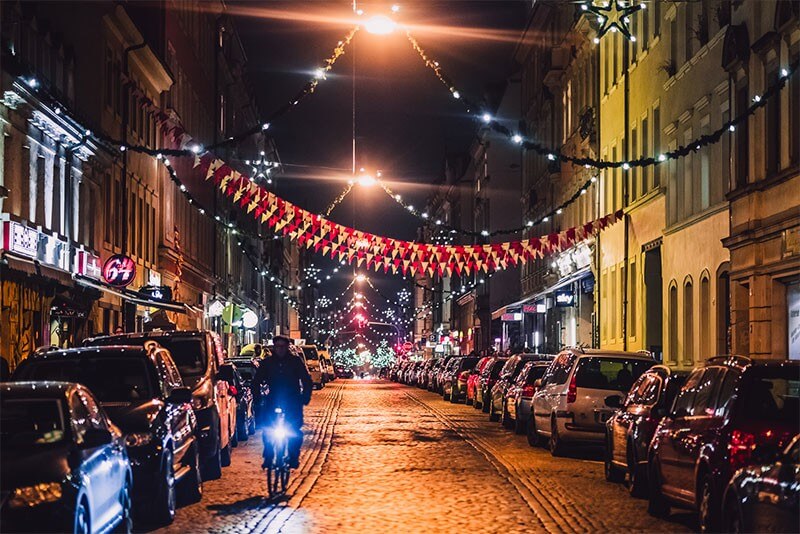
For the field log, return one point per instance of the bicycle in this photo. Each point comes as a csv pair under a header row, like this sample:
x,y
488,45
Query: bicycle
x,y
276,438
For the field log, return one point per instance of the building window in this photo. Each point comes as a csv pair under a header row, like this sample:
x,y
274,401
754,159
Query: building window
x,y
633,173
656,10
742,134
773,124
644,173
656,143
686,184
794,108
612,308
688,322
633,307
705,317
673,42
705,171
673,323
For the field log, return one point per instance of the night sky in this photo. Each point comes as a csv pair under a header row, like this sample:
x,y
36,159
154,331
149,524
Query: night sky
x,y
406,120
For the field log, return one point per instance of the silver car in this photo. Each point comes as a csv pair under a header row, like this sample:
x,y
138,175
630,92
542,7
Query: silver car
x,y
570,403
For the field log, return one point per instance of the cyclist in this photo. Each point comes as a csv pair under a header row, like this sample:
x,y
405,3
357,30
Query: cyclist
x,y
289,388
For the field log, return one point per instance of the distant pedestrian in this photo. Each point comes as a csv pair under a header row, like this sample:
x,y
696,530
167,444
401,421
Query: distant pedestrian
x,y
119,330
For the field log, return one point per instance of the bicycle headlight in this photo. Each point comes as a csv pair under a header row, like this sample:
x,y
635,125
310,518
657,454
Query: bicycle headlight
x,y
279,432
30,496
137,439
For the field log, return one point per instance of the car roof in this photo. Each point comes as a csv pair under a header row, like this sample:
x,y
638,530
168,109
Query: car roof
x,y
644,355
49,389
742,362
155,334
84,352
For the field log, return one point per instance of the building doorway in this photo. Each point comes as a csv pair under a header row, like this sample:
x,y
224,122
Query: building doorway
x,y
654,313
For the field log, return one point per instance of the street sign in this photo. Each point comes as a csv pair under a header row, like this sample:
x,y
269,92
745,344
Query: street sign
x,y
407,346
119,270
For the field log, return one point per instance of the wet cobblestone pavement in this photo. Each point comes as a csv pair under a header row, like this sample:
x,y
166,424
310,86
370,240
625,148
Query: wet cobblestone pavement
x,y
380,456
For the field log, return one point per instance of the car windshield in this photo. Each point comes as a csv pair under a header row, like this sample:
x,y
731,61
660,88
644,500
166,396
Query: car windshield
x,y
247,370
467,363
26,423
110,378
772,393
188,352
612,374
311,353
496,368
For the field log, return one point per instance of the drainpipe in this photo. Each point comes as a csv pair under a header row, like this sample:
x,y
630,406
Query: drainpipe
x,y
626,192
128,311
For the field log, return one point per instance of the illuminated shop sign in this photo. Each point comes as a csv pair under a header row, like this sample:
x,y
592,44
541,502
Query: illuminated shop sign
x,y
119,270
565,298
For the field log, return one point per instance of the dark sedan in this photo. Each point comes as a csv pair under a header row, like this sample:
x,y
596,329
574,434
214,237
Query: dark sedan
x,y
455,389
519,396
486,381
142,392
765,497
65,467
508,374
630,430
243,371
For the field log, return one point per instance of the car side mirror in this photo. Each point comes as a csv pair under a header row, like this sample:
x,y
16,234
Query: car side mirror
x,y
225,372
537,383
614,401
96,437
180,395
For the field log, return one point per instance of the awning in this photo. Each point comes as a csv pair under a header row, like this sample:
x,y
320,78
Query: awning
x,y
35,268
131,297
577,275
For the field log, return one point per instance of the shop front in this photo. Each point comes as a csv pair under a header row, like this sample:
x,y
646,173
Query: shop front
x,y
40,303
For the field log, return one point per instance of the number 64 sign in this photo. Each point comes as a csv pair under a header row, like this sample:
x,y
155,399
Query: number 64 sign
x,y
119,270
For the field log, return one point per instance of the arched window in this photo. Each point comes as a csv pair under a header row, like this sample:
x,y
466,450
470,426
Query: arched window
x,y
723,309
673,323
705,332
688,322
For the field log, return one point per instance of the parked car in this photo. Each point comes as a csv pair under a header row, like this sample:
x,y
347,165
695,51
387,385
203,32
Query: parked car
x,y
455,388
315,367
519,396
764,497
630,430
344,372
509,372
201,364
437,375
325,358
472,380
65,467
243,371
446,377
486,381
143,394
726,410
571,404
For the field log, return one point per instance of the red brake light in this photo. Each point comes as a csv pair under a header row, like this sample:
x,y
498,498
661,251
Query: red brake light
x,y
528,391
741,448
572,392
233,391
464,375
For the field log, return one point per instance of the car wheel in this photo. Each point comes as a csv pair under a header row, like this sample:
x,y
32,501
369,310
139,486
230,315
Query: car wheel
x,y
733,517
611,472
82,524
506,418
469,401
125,526
657,504
534,439
519,425
225,456
241,430
555,444
165,500
234,439
707,508
485,405
492,415
191,484
637,474
212,468
453,396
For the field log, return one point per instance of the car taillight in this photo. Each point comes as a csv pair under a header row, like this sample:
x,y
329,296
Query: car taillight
x,y
740,448
572,392
464,375
528,391
233,391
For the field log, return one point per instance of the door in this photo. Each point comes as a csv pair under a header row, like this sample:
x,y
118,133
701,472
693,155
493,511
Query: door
x,y
623,421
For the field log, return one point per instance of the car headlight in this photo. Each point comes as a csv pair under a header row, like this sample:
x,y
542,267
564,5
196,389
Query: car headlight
x,y
137,439
35,495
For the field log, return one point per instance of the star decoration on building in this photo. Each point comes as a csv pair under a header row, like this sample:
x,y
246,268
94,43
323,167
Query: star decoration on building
x,y
613,16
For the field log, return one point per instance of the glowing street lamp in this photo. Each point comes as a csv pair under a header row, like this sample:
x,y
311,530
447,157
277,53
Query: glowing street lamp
x,y
380,25
367,180
360,277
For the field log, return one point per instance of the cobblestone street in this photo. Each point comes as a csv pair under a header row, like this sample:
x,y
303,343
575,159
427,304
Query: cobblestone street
x,y
380,456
